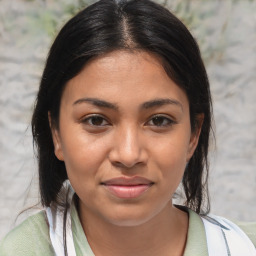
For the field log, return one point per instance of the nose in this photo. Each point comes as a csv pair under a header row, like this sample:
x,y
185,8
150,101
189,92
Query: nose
x,y
128,148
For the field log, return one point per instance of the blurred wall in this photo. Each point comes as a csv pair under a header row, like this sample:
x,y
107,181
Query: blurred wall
x,y
226,33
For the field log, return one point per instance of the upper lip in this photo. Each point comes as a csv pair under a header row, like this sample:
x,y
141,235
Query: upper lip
x,y
128,181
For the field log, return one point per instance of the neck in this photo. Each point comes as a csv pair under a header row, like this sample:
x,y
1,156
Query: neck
x,y
164,234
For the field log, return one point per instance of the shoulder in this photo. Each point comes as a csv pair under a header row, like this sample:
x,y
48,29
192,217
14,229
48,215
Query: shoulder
x,y
242,228
29,238
249,229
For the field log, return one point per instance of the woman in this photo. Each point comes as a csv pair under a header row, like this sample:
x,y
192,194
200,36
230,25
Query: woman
x,y
123,113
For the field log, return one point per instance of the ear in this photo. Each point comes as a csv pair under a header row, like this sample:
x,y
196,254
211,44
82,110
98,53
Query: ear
x,y
195,136
56,139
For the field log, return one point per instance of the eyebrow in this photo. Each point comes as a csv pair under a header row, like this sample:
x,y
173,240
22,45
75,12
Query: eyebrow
x,y
97,102
161,102
146,105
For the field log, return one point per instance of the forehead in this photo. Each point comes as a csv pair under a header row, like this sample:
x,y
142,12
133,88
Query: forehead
x,y
127,60
122,65
123,75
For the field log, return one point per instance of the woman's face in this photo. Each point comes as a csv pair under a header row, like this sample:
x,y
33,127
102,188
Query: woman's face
x,y
125,137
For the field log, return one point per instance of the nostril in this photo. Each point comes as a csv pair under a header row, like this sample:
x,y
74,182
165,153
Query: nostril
x,y
117,164
126,165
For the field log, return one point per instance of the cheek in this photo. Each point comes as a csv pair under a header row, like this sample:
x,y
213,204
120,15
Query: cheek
x,y
171,158
172,152
83,154
83,161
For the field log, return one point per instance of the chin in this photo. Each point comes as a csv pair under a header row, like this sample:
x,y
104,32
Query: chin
x,y
131,217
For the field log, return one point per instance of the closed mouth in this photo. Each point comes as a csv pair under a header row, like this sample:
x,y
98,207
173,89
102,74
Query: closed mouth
x,y
131,187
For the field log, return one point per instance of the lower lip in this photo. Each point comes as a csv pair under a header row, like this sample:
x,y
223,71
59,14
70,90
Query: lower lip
x,y
127,191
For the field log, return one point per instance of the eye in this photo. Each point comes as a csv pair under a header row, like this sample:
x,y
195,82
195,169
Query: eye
x,y
160,121
95,120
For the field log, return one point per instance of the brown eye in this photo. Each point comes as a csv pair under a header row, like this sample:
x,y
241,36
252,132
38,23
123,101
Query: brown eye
x,y
96,120
160,121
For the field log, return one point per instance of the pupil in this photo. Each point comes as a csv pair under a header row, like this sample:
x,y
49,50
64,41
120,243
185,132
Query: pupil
x,y
158,121
97,120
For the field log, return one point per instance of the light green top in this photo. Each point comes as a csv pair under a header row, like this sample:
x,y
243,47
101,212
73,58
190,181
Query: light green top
x,y
31,238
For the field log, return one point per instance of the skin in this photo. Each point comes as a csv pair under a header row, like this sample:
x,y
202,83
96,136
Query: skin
x,y
142,129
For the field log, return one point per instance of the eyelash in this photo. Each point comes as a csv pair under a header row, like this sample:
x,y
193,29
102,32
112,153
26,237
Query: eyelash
x,y
88,120
166,121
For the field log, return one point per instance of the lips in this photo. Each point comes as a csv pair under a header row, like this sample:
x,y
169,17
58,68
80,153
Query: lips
x,y
127,187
